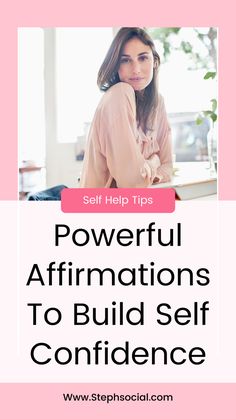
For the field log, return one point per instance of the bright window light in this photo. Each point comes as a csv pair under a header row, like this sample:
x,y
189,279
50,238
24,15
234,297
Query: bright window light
x,y
79,54
31,113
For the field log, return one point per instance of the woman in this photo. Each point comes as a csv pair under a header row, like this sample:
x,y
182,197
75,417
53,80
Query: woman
x,y
129,143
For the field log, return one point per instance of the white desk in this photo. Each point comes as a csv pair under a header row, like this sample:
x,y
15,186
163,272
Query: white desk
x,y
193,180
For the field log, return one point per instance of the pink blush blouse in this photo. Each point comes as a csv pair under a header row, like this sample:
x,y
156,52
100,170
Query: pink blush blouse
x,y
119,151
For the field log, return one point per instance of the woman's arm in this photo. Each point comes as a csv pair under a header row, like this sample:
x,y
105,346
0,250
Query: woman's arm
x,y
164,167
118,133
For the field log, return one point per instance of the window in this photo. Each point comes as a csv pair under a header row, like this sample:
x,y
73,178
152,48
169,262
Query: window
x,y
79,54
31,112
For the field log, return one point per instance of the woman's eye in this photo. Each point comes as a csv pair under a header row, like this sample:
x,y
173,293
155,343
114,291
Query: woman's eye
x,y
124,60
143,58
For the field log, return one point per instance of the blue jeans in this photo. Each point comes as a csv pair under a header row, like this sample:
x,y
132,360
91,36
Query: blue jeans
x,y
52,194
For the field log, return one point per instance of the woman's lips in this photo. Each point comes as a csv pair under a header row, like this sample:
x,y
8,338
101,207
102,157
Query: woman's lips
x,y
136,78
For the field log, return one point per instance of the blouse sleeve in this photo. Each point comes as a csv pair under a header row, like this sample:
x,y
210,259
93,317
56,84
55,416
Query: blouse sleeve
x,y
164,171
118,137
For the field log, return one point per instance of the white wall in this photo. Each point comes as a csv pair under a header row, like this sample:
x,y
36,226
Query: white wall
x,y
61,166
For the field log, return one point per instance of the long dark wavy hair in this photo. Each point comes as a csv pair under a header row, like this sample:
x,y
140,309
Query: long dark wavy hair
x,y
147,100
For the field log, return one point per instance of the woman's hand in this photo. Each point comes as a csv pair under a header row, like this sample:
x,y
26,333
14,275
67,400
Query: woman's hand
x,y
146,171
154,163
150,167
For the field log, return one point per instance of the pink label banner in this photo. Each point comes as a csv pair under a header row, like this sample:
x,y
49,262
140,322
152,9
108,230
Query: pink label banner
x,y
118,200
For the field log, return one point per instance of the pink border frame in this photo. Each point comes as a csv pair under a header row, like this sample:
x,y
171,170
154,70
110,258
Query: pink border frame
x,y
195,401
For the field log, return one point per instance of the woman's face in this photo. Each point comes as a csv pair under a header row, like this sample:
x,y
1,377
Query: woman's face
x,y
136,64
